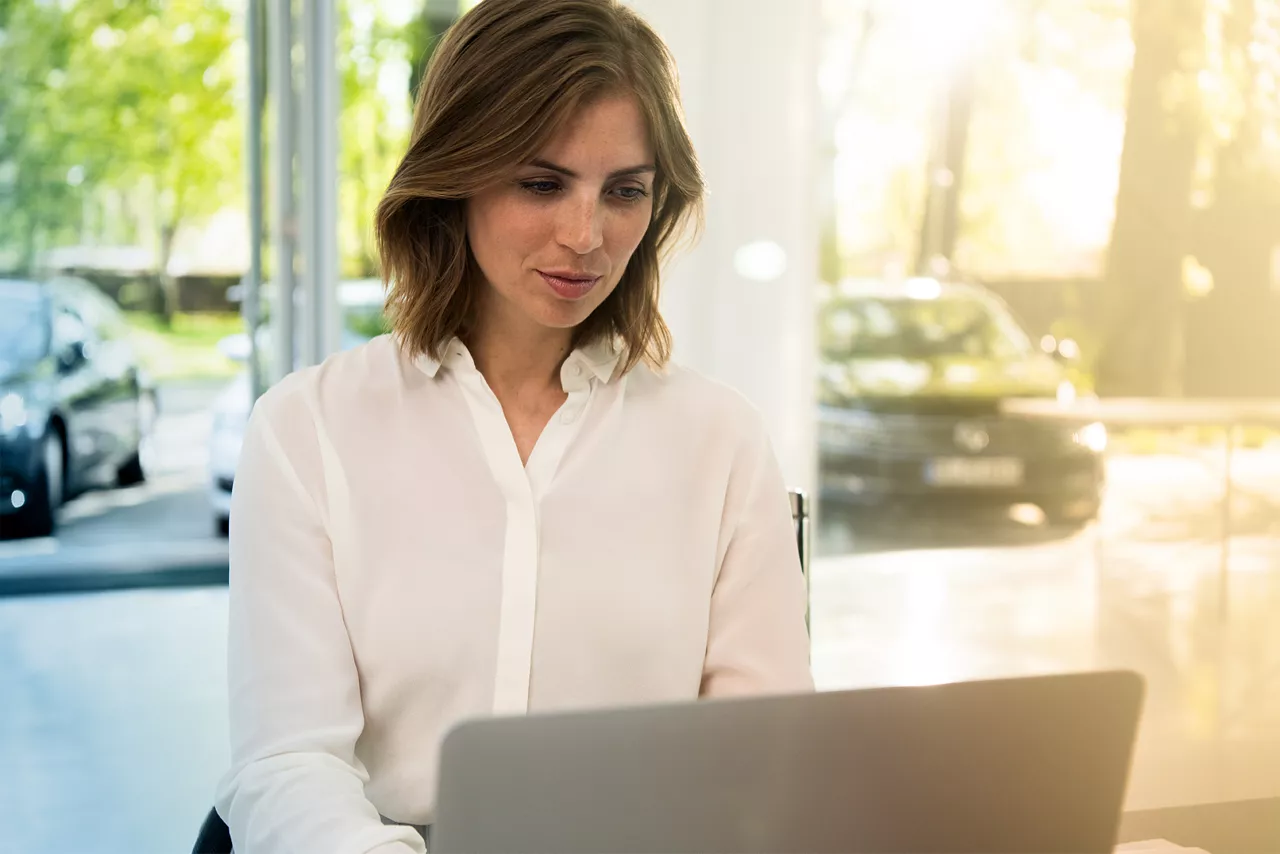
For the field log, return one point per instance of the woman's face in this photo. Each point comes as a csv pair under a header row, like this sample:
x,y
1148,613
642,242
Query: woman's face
x,y
554,239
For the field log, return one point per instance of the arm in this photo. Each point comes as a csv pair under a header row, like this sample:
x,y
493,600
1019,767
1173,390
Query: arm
x,y
757,641
295,784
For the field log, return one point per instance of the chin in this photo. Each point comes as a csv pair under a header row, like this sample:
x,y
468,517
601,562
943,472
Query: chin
x,y
563,320
561,315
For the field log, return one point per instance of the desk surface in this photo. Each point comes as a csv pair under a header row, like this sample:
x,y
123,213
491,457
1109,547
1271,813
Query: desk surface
x,y
1234,827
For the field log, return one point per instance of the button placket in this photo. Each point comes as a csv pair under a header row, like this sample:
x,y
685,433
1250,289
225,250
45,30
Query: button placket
x,y
517,605
523,486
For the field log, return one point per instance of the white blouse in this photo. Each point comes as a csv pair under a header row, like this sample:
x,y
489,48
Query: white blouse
x,y
396,569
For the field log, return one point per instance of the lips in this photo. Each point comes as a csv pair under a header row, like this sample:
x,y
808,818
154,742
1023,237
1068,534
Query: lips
x,y
569,285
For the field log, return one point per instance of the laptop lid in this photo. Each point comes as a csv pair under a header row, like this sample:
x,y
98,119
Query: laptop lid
x,y
1001,767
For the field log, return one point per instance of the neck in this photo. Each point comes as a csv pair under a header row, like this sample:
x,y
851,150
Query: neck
x,y
519,359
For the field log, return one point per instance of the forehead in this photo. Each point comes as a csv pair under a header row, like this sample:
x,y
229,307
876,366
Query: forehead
x,y
607,132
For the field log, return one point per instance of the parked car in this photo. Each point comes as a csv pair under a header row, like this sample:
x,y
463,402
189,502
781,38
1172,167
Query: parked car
x,y
912,380
361,301
75,406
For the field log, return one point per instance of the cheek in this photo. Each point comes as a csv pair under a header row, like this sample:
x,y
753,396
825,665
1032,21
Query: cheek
x,y
502,231
626,232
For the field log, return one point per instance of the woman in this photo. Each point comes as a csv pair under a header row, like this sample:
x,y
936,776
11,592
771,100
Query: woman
x,y
513,503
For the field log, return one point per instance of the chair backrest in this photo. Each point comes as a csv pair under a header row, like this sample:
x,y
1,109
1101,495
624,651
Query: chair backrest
x,y
214,836
800,516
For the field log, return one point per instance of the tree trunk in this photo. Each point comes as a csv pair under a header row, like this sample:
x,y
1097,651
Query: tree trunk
x,y
27,256
1234,348
1141,352
168,284
940,225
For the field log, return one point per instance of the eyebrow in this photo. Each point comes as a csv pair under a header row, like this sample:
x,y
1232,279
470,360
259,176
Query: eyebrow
x,y
569,173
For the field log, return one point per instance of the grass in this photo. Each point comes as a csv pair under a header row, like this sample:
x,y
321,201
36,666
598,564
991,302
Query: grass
x,y
187,349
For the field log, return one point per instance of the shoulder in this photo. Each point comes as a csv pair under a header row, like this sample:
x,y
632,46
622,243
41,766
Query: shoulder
x,y
352,380
702,403
720,430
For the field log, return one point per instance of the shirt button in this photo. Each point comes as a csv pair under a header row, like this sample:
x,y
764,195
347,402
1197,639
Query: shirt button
x,y
568,416
577,370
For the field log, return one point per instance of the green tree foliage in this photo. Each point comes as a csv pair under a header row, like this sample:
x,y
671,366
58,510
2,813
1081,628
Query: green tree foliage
x,y
381,62
141,103
1130,141
1047,125
374,66
138,97
164,88
42,168
1036,179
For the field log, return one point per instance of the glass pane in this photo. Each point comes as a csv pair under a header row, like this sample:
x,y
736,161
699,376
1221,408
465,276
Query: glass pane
x,y
123,195
1035,262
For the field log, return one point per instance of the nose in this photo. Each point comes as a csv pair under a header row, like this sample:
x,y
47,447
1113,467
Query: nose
x,y
581,225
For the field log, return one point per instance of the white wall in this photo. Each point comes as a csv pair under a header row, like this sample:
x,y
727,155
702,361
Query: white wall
x,y
748,72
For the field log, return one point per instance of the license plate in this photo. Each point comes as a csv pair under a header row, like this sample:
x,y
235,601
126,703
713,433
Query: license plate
x,y
974,471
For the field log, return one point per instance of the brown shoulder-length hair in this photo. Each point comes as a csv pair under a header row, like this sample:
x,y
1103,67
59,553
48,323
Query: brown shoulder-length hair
x,y
501,82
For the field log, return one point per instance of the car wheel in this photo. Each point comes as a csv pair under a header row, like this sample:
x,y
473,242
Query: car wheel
x,y
148,410
131,473
222,526
40,517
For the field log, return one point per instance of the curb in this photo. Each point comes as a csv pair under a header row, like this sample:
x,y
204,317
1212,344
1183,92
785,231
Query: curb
x,y
90,570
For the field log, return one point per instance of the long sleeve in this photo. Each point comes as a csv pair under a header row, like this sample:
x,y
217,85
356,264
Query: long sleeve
x,y
295,783
370,540
757,642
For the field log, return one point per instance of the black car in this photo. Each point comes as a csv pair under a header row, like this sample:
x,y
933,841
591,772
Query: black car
x,y
912,384
75,407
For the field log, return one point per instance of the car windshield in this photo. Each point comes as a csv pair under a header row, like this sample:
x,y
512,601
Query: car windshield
x,y
24,328
891,327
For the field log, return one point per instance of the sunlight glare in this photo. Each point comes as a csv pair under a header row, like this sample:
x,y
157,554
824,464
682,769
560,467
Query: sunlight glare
x,y
948,31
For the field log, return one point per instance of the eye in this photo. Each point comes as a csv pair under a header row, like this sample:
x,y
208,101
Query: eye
x,y
631,194
541,187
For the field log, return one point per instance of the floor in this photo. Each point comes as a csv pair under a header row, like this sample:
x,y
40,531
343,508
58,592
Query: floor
x,y
112,720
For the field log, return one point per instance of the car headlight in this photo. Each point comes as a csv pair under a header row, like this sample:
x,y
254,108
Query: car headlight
x,y
13,413
1092,436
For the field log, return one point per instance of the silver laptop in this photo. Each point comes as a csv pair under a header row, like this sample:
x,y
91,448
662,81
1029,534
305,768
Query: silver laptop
x,y
1001,767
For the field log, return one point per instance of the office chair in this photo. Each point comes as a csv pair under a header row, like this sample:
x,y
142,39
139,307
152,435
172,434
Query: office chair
x,y
215,837
800,516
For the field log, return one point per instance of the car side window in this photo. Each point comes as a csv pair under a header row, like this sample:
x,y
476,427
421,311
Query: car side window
x,y
96,310
107,320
